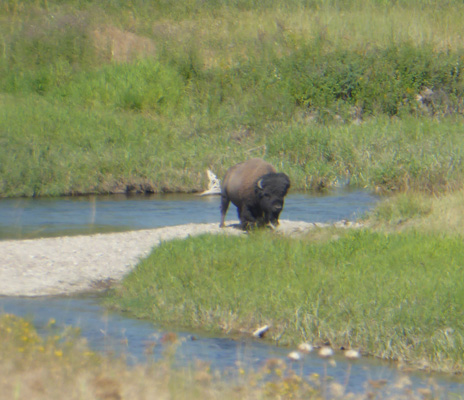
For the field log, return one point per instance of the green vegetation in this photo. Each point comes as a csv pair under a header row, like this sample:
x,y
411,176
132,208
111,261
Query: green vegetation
x,y
134,96
396,296
112,152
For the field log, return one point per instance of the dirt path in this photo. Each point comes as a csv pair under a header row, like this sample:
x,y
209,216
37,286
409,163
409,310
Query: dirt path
x,y
71,264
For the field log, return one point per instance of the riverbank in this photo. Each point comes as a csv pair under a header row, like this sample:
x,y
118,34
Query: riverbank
x,y
73,264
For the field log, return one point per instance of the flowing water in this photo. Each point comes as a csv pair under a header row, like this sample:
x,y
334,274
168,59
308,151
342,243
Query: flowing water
x,y
120,334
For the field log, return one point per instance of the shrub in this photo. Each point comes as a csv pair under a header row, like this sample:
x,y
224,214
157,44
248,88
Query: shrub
x,y
383,81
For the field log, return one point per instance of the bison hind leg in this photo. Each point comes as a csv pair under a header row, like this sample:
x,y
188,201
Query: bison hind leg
x,y
225,201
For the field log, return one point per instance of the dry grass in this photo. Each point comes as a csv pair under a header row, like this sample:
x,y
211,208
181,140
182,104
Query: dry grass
x,y
227,37
35,368
122,46
443,213
447,214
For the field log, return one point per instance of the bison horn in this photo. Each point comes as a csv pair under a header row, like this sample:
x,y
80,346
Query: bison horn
x,y
260,184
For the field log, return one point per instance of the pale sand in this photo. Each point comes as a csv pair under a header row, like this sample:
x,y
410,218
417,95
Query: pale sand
x,y
73,264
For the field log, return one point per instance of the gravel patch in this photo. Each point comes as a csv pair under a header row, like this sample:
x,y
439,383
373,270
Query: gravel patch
x,y
73,264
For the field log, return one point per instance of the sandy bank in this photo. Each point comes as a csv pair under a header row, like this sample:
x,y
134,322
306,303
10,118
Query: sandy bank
x,y
72,264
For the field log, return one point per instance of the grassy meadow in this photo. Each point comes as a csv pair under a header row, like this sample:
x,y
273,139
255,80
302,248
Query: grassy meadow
x,y
144,97
136,96
391,289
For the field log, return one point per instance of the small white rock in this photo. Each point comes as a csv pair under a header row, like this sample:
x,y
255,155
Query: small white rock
x,y
352,354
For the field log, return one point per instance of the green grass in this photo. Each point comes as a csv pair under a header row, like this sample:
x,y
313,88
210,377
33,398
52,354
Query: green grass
x,y
64,149
136,96
395,296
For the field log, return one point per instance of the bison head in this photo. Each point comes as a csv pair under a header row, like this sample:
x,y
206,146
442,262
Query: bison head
x,y
270,191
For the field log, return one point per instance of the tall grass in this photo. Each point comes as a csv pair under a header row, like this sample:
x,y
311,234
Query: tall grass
x,y
440,214
63,149
384,293
206,84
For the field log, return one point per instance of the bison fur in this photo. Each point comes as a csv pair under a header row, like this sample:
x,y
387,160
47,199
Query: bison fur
x,y
258,192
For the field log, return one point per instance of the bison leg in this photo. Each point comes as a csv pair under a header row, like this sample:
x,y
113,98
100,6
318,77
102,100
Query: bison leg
x,y
274,217
264,221
247,217
225,201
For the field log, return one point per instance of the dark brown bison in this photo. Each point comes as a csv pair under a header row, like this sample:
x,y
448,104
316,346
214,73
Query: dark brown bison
x,y
257,191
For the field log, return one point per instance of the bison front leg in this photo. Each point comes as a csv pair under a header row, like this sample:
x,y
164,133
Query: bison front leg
x,y
248,217
274,217
266,220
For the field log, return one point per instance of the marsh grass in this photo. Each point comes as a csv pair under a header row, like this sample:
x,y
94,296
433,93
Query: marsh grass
x,y
384,293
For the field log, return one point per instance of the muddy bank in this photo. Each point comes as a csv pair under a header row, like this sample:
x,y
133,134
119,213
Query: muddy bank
x,y
72,264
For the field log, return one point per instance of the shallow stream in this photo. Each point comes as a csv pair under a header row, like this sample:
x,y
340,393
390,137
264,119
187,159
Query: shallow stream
x,y
33,218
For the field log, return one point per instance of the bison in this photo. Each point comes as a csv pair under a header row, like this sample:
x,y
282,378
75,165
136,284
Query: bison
x,y
257,190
